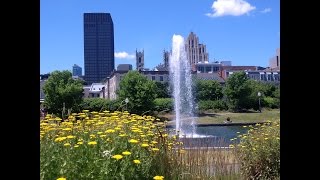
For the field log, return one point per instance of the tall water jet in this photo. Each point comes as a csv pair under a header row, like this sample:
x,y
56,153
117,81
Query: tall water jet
x,y
180,75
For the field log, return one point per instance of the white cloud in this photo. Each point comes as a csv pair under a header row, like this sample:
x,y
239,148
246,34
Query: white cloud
x,y
266,10
124,55
230,7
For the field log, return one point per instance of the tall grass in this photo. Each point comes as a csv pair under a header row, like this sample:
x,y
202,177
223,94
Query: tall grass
x,y
259,151
203,162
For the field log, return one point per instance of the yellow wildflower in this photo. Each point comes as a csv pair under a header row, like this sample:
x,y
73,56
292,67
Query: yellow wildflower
x,y
133,141
136,161
67,144
58,139
62,178
92,142
158,177
110,131
155,149
144,145
126,153
70,137
117,157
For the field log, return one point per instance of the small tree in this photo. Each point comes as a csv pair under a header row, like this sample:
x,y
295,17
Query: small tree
x,y
208,90
139,90
237,91
62,91
162,90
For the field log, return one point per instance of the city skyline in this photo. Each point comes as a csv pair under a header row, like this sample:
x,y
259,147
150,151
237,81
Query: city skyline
x,y
244,32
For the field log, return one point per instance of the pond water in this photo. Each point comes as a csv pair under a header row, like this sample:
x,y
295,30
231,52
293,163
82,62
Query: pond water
x,y
213,136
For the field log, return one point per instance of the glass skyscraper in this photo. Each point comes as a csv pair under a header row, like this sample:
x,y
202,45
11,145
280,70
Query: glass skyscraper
x,y
98,46
76,70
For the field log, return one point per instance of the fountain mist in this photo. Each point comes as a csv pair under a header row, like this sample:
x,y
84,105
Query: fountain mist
x,y
180,75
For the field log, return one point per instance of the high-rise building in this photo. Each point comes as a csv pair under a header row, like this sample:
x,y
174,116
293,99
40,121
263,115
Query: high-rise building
x,y
98,46
76,70
124,67
274,62
226,63
196,52
166,56
140,60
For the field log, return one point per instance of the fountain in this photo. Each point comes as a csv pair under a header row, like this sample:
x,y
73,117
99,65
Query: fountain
x,y
184,105
180,75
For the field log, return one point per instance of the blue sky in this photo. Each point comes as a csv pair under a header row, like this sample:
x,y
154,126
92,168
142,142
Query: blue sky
x,y
246,32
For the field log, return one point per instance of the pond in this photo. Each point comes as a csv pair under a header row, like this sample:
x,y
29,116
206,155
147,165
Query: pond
x,y
213,136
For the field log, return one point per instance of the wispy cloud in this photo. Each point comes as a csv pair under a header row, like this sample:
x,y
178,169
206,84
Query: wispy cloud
x,y
230,7
266,10
123,55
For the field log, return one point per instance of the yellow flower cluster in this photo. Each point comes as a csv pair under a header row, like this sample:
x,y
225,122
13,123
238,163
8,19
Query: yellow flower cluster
x,y
131,135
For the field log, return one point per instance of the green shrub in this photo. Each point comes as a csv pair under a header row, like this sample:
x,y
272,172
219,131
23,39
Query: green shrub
x,y
259,152
100,104
162,104
206,105
271,102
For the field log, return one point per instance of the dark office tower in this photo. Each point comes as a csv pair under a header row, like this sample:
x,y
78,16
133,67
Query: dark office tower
x,y
98,46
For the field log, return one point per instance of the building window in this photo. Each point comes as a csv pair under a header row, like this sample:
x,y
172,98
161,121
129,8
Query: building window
x,y
153,78
208,69
98,95
215,69
161,78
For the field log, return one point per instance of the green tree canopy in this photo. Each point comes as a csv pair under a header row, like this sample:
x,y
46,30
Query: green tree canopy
x,y
208,90
162,89
62,88
238,91
140,91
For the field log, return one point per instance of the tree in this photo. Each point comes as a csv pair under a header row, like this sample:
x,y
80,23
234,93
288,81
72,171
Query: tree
x,y
139,90
162,90
238,91
208,90
268,92
61,90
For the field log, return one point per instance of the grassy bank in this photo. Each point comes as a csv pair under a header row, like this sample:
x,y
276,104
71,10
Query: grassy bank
x,y
244,117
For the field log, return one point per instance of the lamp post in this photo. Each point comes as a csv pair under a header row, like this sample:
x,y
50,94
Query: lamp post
x,y
259,94
126,100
